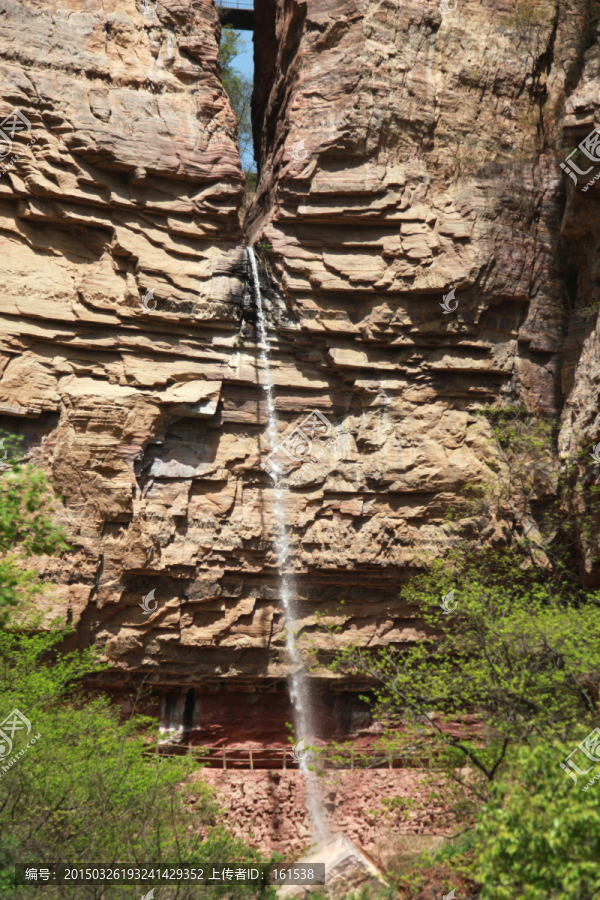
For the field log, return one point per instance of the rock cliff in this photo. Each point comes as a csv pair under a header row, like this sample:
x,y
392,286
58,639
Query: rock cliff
x,y
405,154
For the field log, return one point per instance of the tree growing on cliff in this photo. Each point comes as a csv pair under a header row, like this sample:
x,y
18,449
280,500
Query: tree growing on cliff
x,y
513,663
27,529
548,509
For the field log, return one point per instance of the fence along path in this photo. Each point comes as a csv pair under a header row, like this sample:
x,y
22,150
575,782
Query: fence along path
x,y
282,758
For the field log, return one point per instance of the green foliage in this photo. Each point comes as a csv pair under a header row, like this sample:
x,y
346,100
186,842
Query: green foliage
x,y
230,47
536,838
26,528
514,661
237,86
449,867
587,312
539,836
263,247
93,789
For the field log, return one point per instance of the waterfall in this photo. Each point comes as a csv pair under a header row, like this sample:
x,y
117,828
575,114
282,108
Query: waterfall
x,y
297,680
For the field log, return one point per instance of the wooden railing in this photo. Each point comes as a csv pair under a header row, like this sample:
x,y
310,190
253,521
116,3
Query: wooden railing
x,y
282,758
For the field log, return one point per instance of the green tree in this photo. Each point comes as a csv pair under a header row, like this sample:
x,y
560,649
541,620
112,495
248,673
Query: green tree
x,y
507,684
512,663
93,789
27,507
539,836
546,507
239,90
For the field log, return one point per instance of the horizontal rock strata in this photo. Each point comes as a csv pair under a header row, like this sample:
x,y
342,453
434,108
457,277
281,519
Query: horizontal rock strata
x,y
405,156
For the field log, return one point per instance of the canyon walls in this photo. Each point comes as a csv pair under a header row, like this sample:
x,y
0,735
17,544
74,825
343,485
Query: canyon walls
x,y
405,155
409,153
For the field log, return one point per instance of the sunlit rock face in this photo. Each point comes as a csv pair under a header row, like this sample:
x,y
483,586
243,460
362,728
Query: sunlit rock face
x,y
409,164
404,155
408,158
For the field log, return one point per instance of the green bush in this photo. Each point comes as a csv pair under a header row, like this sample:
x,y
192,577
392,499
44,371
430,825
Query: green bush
x,y
27,506
93,789
515,657
539,837
237,86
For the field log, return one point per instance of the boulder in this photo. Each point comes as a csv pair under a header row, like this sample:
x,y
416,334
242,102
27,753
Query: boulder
x,y
347,868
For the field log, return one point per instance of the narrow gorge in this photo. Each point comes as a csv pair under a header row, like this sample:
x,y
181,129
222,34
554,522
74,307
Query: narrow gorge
x,y
407,151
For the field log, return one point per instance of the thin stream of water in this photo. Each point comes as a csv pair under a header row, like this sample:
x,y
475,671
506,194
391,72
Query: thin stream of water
x,y
298,682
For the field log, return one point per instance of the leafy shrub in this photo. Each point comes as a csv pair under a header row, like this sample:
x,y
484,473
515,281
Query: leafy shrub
x,y
539,837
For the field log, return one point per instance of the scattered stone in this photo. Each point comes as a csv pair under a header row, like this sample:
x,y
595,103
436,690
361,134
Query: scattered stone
x,y
347,868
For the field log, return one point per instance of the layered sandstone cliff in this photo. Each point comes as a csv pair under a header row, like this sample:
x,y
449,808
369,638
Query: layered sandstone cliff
x,y
407,154
403,154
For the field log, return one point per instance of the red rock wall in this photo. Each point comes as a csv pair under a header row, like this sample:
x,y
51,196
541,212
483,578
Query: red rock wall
x,y
249,717
269,808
